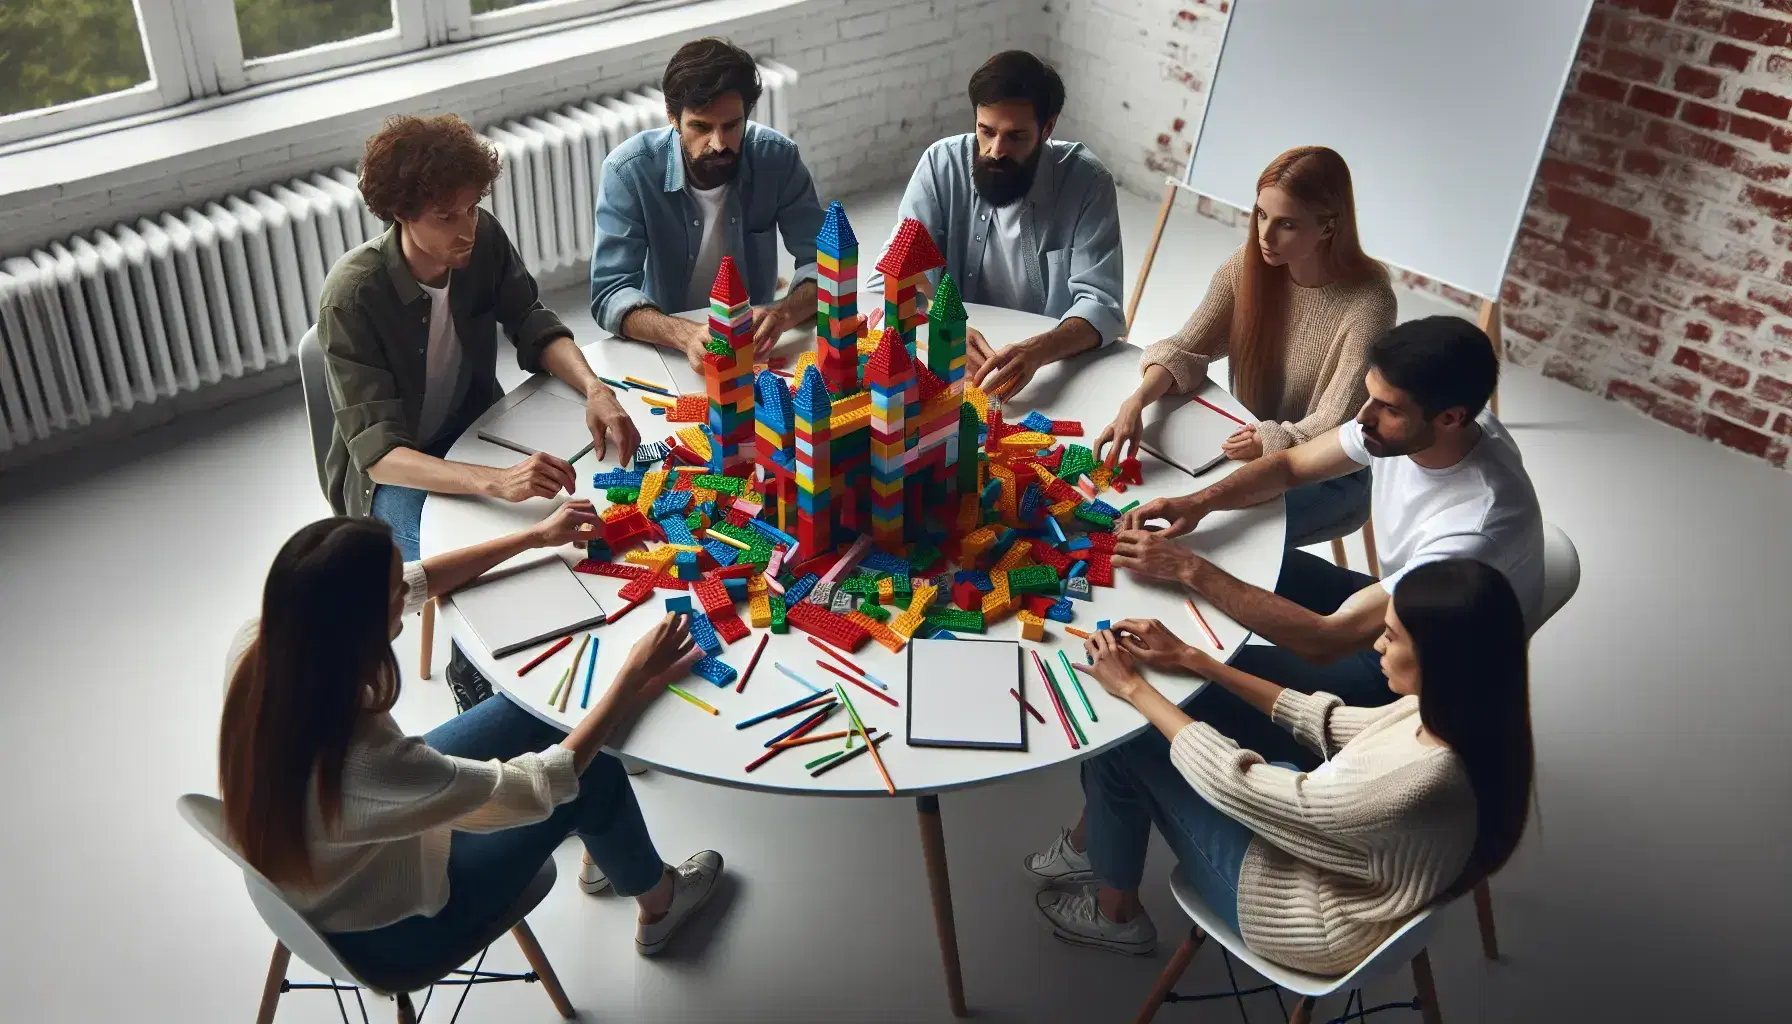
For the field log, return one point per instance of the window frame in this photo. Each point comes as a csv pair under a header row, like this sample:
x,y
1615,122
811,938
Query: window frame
x,y
160,28
231,71
526,15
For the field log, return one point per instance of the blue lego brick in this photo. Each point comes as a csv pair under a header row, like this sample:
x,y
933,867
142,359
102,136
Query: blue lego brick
x,y
1077,587
881,561
1103,508
1029,503
1060,611
991,491
670,503
617,478
812,401
980,580
684,567
772,403
722,553
715,670
773,532
800,589
737,588
677,531
1079,544
597,551
1038,421
708,509
1055,531
703,632
1101,624
836,237
1078,568
679,603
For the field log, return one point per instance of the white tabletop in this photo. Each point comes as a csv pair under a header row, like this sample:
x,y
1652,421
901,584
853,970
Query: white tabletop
x,y
679,738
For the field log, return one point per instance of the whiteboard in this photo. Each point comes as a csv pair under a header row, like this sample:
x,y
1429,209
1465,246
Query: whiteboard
x,y
1441,108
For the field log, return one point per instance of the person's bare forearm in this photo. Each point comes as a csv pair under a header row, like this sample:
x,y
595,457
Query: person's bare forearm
x,y
451,570
595,729
1154,384
408,467
1257,692
1164,716
1269,615
1071,336
656,328
1253,483
563,359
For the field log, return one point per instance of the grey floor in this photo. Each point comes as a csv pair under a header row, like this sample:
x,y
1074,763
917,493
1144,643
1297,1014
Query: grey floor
x,y
1651,888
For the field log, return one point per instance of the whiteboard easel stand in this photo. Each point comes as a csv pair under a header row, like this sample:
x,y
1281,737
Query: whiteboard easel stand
x,y
1487,316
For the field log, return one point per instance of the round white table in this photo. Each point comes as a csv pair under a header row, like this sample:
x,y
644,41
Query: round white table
x,y
678,738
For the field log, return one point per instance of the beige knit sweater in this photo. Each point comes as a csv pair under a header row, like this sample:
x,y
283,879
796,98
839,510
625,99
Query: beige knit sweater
x,y
386,857
1327,332
1345,854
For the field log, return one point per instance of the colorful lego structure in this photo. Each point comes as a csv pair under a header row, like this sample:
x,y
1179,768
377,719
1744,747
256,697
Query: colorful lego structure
x,y
728,374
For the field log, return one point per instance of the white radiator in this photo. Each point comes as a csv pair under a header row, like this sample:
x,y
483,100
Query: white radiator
x,y
138,313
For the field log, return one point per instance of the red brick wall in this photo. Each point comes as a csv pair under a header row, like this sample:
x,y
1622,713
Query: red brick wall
x,y
1655,263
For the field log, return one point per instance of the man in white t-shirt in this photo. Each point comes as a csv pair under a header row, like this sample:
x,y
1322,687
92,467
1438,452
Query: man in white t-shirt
x,y
1449,483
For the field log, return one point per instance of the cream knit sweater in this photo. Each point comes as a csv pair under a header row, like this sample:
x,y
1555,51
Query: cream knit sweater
x,y
1325,348
1345,854
386,858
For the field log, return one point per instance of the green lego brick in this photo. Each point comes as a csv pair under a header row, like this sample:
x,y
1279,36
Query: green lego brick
x,y
725,484
860,586
1033,579
920,557
622,495
694,521
779,623
1094,518
955,620
1077,461
968,450
875,610
719,347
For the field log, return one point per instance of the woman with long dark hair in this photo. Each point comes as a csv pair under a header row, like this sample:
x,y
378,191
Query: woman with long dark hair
x,y
1417,801
1295,309
401,846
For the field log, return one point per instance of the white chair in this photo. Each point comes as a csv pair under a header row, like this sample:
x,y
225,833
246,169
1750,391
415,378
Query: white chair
x,y
295,935
321,418
1401,948
1561,578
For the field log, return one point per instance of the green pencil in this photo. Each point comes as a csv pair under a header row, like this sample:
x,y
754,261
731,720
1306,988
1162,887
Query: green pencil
x,y
823,758
565,677
1052,681
1078,683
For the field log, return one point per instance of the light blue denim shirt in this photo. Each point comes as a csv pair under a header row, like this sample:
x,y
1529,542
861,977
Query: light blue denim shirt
x,y
1070,232
649,229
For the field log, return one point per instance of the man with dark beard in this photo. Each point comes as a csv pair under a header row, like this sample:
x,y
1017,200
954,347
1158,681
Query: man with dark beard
x,y
1025,221
674,201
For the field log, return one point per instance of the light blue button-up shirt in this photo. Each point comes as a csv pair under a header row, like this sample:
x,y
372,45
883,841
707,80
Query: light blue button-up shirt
x,y
1069,254
649,228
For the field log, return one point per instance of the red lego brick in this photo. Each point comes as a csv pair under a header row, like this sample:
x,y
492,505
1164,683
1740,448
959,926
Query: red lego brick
x,y
966,596
618,570
1051,459
1038,604
713,595
728,625
1101,570
739,570
728,286
1051,556
822,625
911,252
636,590
1067,428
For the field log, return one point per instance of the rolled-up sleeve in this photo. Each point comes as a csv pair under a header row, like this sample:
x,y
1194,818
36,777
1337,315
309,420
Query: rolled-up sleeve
x,y
363,392
799,216
1096,262
619,258
530,325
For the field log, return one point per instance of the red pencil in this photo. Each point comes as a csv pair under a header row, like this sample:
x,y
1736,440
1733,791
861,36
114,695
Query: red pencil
x,y
1056,703
809,705
625,609
741,687
887,700
796,733
1221,411
1202,619
1030,708
836,655
545,655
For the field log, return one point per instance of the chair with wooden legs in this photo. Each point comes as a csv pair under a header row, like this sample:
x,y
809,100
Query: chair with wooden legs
x,y
322,422
1406,946
294,935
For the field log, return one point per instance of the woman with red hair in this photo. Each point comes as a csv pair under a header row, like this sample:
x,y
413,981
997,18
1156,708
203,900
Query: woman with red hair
x,y
1295,309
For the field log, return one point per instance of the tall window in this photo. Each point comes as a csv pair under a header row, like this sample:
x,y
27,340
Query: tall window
x,y
68,62
269,28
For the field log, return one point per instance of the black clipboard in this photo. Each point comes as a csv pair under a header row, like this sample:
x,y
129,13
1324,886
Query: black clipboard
x,y
1016,681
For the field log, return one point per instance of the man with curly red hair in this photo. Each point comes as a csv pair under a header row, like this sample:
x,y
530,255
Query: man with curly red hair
x,y
409,324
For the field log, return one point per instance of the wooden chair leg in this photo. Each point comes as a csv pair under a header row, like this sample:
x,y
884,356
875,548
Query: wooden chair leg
x,y
407,1012
1338,556
1490,941
1369,554
270,989
1427,991
939,888
1157,236
1303,1011
538,962
1171,973
429,638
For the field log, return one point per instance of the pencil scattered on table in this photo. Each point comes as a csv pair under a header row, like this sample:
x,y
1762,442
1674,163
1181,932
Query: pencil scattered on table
x,y
818,737
1078,633
1219,410
590,668
859,725
1202,619
836,760
773,713
694,700
860,683
780,666
556,647
566,693
1051,680
1030,708
806,724
1070,673
1063,719
741,687
834,653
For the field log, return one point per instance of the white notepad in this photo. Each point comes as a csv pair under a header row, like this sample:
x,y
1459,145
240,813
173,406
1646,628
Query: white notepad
x,y
1187,434
516,608
958,694
542,422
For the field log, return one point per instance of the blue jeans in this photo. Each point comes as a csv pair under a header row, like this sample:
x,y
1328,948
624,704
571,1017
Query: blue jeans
x,y
401,508
488,871
1318,512
1134,785
1356,678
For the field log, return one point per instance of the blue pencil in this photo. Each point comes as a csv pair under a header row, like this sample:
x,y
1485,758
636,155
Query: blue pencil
x,y
780,667
585,698
825,711
775,712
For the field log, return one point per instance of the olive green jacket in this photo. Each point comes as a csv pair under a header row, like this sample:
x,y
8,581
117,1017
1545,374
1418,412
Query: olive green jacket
x,y
373,324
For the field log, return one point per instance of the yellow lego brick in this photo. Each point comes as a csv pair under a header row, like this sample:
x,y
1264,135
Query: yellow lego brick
x,y
1019,554
823,261
803,362
611,513
1027,441
759,611
868,344
924,594
651,486
979,401
696,440
756,584
883,634
857,419
969,512
1032,627
1102,478
699,495
977,542
886,591
904,625
1063,508
658,559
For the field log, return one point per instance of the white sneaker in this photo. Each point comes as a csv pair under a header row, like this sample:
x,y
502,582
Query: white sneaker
x,y
632,766
693,883
592,879
1076,918
1059,864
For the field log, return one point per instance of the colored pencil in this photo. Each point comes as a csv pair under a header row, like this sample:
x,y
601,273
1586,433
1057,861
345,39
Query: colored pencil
x,y
1051,678
657,402
806,724
625,609
773,713
858,683
741,687
780,666
545,655
875,759
566,694
824,758
725,539
554,694
1202,619
849,663
1056,703
705,706
1219,410
810,705
1070,673
840,759
798,741
1030,708
614,382
1073,631
585,698
649,385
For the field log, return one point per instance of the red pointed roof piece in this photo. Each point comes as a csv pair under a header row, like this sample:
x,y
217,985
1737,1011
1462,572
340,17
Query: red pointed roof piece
x,y
728,287
890,362
911,252
931,386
